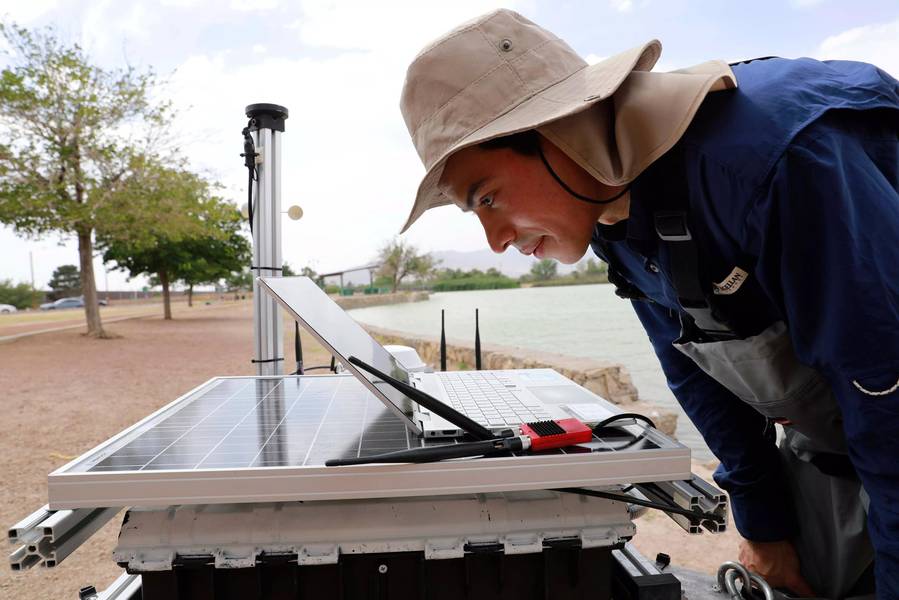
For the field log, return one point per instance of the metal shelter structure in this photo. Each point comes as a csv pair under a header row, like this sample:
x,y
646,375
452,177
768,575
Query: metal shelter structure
x,y
370,268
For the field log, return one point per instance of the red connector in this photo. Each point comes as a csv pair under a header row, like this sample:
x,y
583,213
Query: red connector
x,y
556,434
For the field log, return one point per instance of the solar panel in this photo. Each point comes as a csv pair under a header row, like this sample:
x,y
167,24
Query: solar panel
x,y
255,439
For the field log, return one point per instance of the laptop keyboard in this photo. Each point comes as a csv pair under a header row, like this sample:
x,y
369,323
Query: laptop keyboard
x,y
489,398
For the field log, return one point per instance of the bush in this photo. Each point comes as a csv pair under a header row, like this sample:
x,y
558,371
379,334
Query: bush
x,y
473,282
20,295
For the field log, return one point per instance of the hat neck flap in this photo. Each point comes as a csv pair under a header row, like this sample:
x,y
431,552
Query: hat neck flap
x,y
618,138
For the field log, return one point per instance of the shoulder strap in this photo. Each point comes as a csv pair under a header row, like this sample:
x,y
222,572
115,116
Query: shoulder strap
x,y
670,198
674,234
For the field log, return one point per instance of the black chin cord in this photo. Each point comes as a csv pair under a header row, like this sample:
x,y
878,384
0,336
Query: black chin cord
x,y
571,191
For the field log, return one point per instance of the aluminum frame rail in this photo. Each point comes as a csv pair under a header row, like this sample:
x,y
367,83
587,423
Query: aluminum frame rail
x,y
266,125
45,538
692,494
126,587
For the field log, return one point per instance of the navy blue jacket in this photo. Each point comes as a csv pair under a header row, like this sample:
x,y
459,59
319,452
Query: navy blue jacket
x,y
796,175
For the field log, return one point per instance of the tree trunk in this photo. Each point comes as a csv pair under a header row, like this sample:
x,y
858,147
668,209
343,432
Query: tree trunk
x,y
88,285
190,295
166,299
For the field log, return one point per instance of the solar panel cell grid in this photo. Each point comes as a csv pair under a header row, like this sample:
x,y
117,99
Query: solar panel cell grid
x,y
240,423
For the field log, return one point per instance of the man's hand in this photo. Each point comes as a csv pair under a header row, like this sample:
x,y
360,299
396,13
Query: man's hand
x,y
777,563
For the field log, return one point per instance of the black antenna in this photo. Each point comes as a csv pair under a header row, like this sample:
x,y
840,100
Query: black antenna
x,y
477,342
442,343
298,348
469,426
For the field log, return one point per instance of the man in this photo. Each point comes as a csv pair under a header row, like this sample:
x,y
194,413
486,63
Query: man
x,y
751,214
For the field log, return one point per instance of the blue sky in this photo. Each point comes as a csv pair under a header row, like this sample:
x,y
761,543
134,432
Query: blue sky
x,y
338,67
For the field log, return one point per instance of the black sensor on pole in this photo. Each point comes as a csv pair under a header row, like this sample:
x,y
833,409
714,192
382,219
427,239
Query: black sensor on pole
x,y
442,342
477,342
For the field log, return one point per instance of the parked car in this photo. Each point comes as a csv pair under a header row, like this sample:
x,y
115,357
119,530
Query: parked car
x,y
7,308
68,303
63,303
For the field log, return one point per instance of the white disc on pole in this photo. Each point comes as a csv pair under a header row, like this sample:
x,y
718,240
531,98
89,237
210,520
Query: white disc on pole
x,y
295,213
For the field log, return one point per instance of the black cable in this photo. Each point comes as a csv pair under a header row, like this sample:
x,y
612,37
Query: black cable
x,y
571,191
250,181
677,510
621,417
249,155
307,369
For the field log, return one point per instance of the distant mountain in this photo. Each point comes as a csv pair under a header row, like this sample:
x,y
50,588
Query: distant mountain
x,y
511,263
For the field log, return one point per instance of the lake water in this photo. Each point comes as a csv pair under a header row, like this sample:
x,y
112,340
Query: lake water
x,y
585,320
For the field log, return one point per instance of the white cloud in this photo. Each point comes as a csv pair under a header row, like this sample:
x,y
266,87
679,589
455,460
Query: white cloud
x,y
622,5
25,12
876,43
107,28
362,24
259,49
254,5
805,3
181,3
347,158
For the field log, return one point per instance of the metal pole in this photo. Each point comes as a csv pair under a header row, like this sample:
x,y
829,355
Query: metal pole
x,y
266,126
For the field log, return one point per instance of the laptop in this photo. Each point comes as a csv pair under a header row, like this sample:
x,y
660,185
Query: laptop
x,y
497,399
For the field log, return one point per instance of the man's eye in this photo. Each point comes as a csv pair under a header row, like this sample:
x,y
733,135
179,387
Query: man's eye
x,y
487,201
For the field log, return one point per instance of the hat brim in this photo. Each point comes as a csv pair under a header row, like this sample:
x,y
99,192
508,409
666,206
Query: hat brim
x,y
579,91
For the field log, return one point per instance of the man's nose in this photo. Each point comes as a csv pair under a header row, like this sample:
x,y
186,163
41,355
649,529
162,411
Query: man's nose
x,y
499,234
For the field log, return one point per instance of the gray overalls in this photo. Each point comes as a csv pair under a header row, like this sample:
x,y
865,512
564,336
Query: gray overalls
x,y
833,545
762,370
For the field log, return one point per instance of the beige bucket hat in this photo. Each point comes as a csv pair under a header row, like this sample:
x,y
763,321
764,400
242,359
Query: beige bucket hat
x,y
501,74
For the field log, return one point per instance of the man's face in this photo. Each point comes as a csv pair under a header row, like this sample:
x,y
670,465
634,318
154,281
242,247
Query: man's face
x,y
520,204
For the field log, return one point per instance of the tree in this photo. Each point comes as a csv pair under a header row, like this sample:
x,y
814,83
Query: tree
x,y
65,282
287,270
423,266
240,280
544,269
71,136
19,295
212,250
399,260
596,268
210,259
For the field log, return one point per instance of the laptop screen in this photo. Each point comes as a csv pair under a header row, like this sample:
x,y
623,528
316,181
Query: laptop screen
x,y
343,336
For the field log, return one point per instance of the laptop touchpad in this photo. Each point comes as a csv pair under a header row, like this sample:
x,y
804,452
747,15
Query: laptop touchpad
x,y
561,394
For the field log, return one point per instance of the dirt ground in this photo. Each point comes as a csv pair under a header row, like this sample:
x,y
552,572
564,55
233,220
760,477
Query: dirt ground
x,y
62,393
